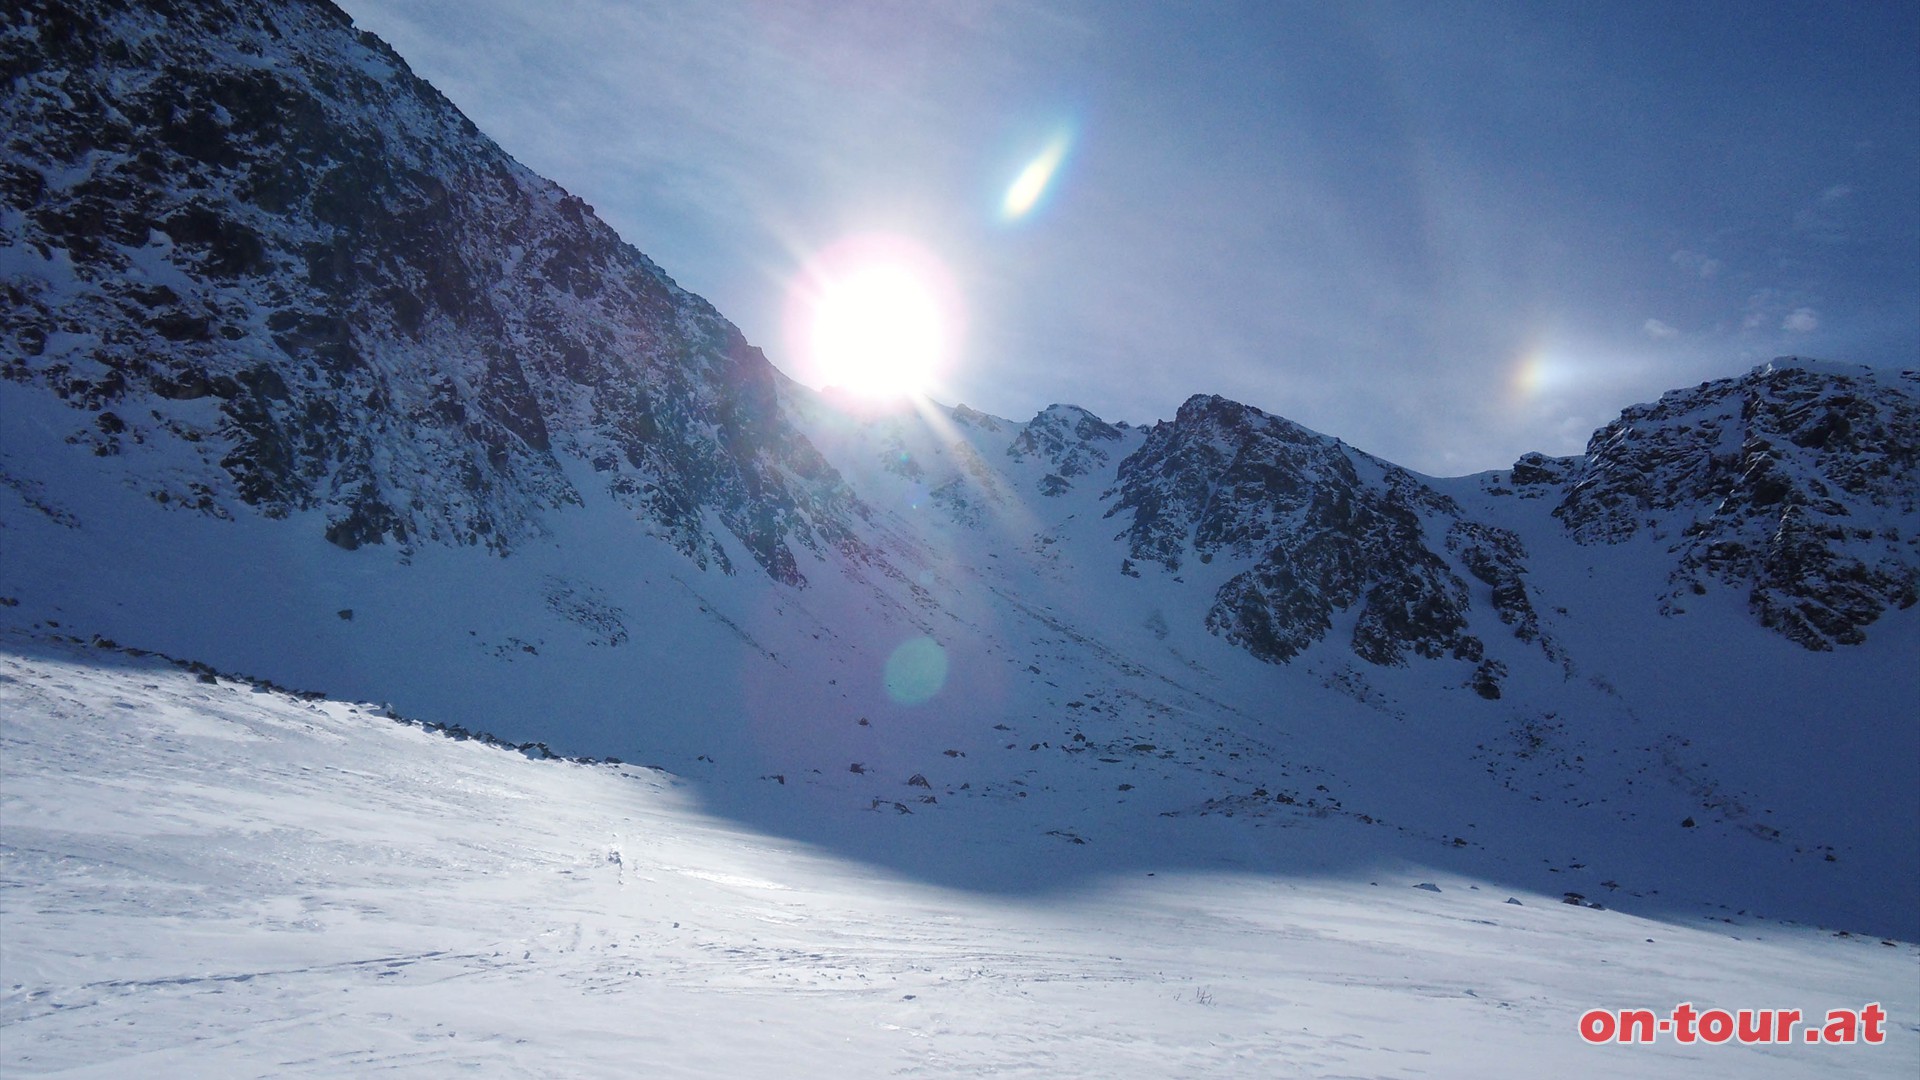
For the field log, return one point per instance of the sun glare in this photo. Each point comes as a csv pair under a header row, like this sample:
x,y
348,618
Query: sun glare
x,y
875,317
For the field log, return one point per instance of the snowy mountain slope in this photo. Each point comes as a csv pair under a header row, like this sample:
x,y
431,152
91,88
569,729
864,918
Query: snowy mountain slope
x,y
1606,706
1067,710
929,645
208,878
1798,483
244,232
1329,531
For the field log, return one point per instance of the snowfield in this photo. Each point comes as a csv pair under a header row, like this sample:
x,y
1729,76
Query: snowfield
x,y
216,879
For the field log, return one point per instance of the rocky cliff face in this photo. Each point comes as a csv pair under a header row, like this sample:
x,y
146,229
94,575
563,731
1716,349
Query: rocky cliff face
x,y
1072,441
246,230
1329,532
1797,484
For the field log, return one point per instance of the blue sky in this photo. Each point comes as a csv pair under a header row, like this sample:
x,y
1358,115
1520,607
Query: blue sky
x,y
1448,233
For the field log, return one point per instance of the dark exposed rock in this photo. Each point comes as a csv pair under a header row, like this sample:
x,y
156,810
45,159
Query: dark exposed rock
x,y
373,314
354,266
1327,529
974,418
1496,557
1795,484
1486,679
1068,439
1537,474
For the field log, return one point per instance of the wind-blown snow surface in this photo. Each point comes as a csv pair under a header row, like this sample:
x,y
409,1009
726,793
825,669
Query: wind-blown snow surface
x,y
213,879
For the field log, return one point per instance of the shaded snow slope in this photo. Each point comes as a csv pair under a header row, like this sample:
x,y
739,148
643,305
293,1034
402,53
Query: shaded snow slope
x,y
207,878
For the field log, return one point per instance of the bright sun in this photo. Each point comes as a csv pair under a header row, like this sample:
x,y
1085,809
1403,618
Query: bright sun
x,y
876,317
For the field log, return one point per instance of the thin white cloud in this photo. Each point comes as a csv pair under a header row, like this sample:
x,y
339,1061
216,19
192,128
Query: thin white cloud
x,y
1801,320
1696,263
1657,329
1763,308
1824,220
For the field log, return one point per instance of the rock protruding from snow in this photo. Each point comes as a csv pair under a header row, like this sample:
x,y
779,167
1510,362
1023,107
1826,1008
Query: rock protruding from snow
x,y
1797,483
1326,530
1068,439
1536,475
970,417
244,234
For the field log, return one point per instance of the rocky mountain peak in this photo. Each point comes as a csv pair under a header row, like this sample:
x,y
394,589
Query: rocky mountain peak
x,y
1221,476
245,232
1320,532
1069,439
1797,483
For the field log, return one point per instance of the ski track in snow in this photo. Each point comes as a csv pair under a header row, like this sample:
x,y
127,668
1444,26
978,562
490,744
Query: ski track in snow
x,y
210,879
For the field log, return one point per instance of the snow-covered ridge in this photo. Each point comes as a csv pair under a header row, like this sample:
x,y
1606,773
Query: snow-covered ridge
x,y
1797,484
272,272
1819,367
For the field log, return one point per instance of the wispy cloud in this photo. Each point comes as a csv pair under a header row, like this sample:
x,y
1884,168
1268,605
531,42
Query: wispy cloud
x,y
1825,219
1696,263
1770,308
1656,329
1801,320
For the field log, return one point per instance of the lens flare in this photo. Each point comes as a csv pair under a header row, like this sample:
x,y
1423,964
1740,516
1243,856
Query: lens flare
x,y
1032,182
916,671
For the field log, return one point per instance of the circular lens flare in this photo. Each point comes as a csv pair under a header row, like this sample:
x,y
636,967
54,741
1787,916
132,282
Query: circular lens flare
x,y
916,671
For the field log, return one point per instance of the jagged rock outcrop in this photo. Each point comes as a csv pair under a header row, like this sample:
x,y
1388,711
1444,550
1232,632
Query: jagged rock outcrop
x,y
1068,438
973,491
1797,483
1536,475
1498,559
1328,530
970,417
245,230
